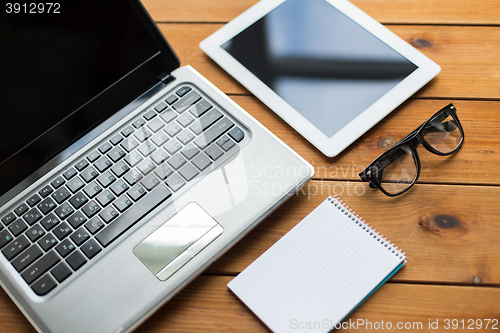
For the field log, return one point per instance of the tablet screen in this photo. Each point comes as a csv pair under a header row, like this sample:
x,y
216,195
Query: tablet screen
x,y
323,64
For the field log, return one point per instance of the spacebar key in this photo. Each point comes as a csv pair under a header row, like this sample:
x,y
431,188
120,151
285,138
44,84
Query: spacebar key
x,y
133,215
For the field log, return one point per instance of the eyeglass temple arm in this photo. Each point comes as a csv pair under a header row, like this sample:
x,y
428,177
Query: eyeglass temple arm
x,y
377,170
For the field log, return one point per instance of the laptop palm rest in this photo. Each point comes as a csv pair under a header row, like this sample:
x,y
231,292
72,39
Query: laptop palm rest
x,y
177,241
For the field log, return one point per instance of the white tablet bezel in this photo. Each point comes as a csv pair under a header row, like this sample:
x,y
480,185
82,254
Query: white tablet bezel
x,y
331,147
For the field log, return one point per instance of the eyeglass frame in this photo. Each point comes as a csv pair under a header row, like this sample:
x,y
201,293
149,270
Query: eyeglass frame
x,y
412,141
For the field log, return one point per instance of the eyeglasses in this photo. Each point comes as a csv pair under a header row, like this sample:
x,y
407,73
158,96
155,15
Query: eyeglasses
x,y
397,170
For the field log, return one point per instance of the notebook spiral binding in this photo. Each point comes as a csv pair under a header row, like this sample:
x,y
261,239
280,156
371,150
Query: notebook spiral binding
x,y
344,208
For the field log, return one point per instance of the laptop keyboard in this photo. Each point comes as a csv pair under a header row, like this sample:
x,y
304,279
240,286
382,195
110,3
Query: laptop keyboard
x,y
88,206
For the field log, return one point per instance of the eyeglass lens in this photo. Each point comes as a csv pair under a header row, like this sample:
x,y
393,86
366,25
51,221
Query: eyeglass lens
x,y
442,133
400,171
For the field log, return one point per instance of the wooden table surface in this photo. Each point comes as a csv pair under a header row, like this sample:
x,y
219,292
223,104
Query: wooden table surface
x,y
448,224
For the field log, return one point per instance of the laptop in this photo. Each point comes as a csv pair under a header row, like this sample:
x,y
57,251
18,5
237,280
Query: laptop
x,y
122,175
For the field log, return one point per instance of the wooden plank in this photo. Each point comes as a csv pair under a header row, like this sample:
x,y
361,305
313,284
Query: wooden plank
x,y
475,163
467,56
206,305
449,233
386,11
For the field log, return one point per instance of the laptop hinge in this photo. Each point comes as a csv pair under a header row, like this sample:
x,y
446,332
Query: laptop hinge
x,y
166,78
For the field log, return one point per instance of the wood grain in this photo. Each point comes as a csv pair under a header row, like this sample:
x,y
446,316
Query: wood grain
x,y
475,163
386,11
206,305
468,57
449,233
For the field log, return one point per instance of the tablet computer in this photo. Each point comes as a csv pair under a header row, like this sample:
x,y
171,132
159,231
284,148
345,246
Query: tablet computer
x,y
324,66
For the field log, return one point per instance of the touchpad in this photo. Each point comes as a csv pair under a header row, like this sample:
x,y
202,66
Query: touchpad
x,y
177,241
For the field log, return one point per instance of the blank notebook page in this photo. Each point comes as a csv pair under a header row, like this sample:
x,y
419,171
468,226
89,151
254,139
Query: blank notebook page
x,y
318,272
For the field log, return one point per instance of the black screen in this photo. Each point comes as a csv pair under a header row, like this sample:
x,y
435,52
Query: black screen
x,y
55,66
319,61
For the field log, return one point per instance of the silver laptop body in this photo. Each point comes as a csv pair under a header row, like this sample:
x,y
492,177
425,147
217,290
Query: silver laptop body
x,y
153,258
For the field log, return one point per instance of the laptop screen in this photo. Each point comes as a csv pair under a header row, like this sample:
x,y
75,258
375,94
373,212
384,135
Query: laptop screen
x,y
65,72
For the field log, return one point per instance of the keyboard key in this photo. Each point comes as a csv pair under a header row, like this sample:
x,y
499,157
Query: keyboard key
x,y
130,144
122,203
146,166
105,198
175,182
106,179
163,171
139,122
102,164
116,154
149,115
172,146
177,161
32,216
80,236
156,125
108,214
40,267
185,120
50,221
237,134
33,200
44,192
185,137
132,177
16,247
89,174
76,260
150,182
65,248
127,131
93,156
91,209
159,156
58,182
160,107
35,233
133,158
171,99
61,272
206,121
214,152
120,168
116,139
159,139
136,192
173,129
8,219
64,210
132,216
214,132
18,227
143,134
75,184
5,238
21,209
80,165
105,147
222,140
201,161
200,108
94,225
183,91
27,258
77,220
91,249
47,242
168,115
44,285
92,190
62,230
228,145
60,195
188,172
70,173
119,187
147,148
78,200
190,151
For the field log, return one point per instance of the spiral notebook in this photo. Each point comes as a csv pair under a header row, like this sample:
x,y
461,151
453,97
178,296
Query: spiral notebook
x,y
319,272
